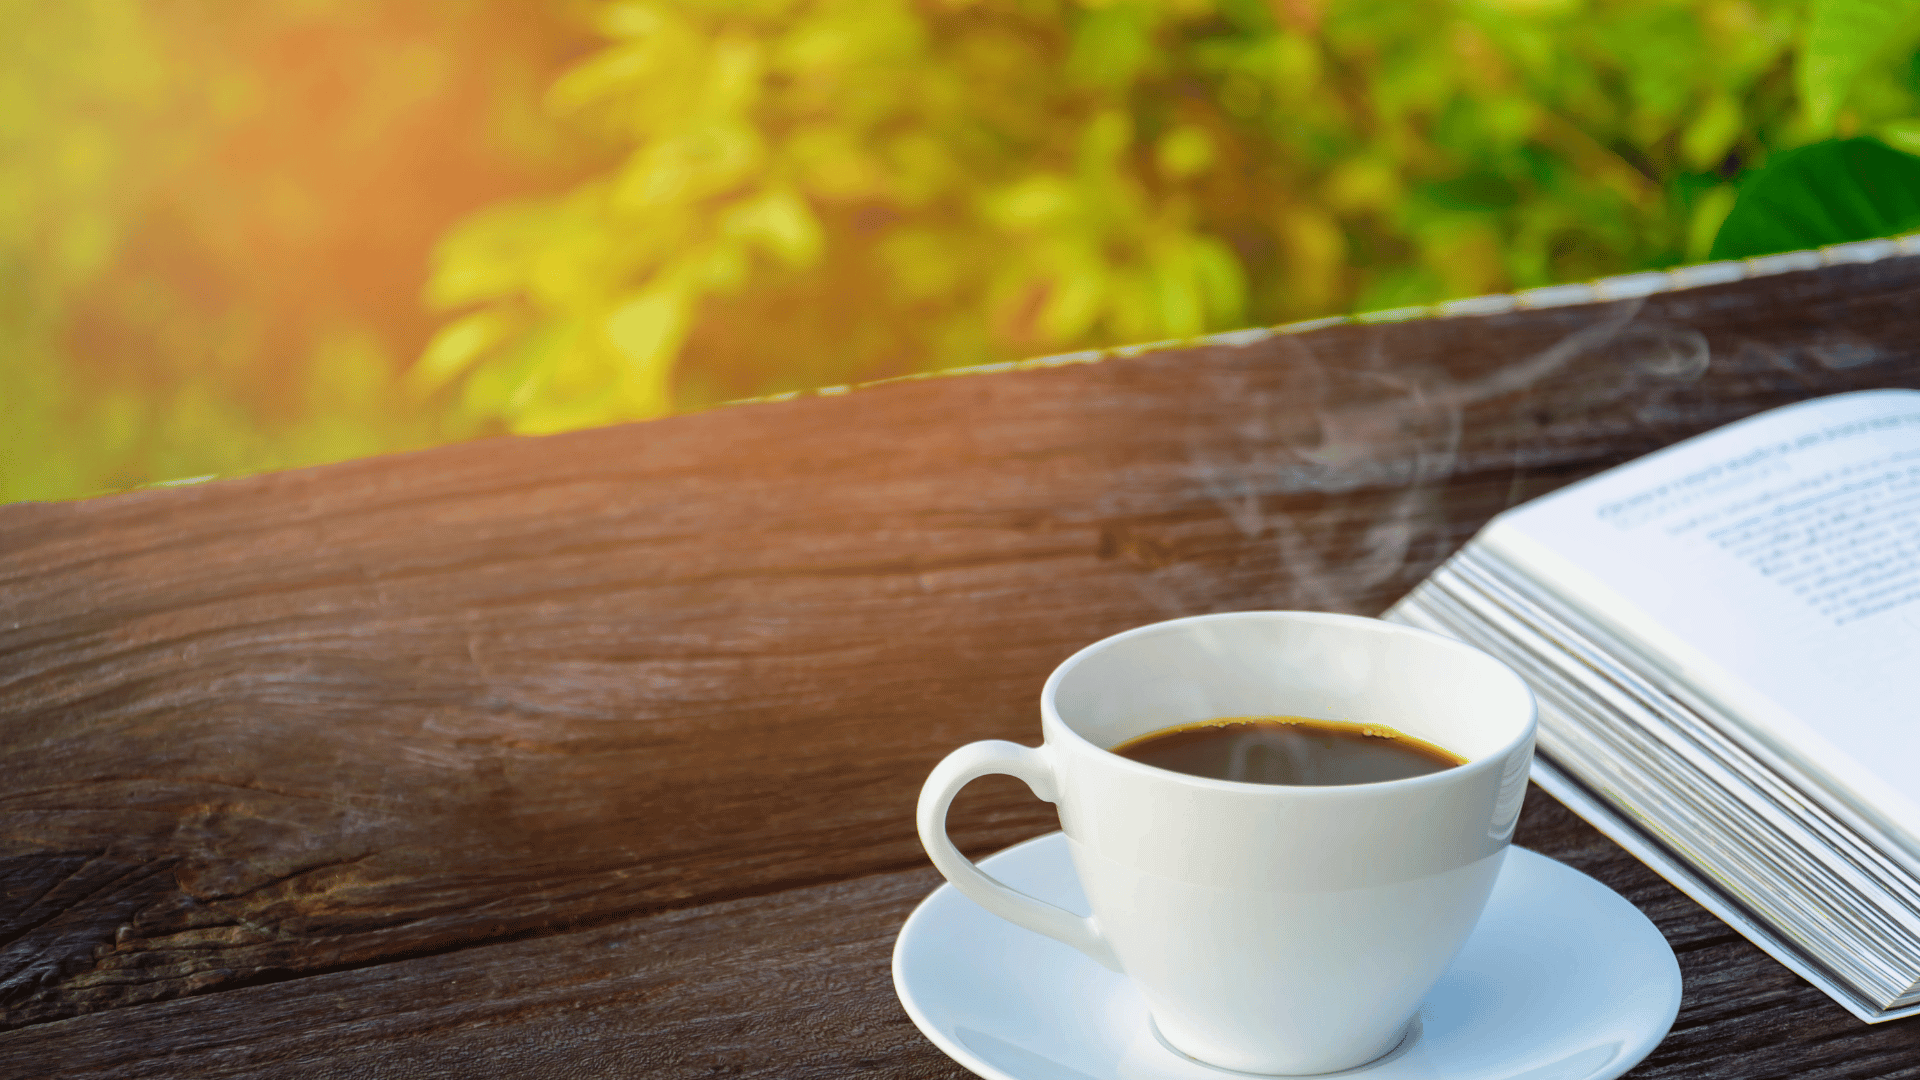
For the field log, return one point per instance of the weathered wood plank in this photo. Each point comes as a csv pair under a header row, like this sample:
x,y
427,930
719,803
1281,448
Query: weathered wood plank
x,y
323,719
794,985
797,985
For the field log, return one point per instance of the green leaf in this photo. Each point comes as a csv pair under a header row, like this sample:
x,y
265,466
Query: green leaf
x,y
1712,132
1222,280
1902,134
1843,38
1828,193
1111,44
1475,191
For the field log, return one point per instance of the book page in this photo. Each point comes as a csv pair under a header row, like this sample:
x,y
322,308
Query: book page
x,y
1774,565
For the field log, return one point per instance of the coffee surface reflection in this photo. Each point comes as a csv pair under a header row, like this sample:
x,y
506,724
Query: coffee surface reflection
x,y
1288,750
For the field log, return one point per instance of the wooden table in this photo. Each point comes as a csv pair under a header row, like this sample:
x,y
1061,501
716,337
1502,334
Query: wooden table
x,y
595,755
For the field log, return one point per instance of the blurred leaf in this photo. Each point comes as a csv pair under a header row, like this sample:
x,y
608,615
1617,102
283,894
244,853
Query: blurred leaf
x,y
1111,43
1708,136
502,386
1316,254
629,19
1843,37
456,346
1710,211
602,77
1185,151
648,327
1033,203
1222,283
1902,135
1478,191
1073,301
781,223
1827,193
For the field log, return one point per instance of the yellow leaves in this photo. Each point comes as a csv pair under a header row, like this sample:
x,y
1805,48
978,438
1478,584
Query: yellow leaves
x,y
1031,204
612,272
696,162
735,66
1185,151
1107,135
510,385
486,256
604,75
924,263
1180,284
1073,300
1111,44
456,346
646,332
666,74
555,375
1315,257
1218,282
628,19
649,325
1295,68
722,267
1464,255
1185,283
831,162
1510,121
780,223
728,186
851,37
921,168
1361,184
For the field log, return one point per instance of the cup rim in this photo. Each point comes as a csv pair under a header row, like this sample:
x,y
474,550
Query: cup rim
x,y
1051,720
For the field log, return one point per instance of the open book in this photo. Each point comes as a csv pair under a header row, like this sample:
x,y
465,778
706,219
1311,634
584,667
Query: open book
x,y
1724,638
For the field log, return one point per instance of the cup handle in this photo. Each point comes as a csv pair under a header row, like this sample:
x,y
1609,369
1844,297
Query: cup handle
x,y
970,762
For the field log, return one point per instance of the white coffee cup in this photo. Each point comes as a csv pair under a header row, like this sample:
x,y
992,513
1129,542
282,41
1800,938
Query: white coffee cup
x,y
1270,928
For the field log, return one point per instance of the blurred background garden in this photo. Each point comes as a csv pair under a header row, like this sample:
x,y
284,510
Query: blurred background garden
x,y
241,236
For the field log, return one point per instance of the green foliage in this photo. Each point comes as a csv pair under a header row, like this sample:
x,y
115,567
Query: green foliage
x,y
818,192
1845,39
249,237
1826,193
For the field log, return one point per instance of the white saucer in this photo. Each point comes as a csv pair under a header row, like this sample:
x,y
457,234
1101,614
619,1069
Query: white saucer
x,y
1562,980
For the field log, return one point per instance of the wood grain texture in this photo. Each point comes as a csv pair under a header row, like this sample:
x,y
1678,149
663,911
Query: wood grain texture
x,y
797,985
315,721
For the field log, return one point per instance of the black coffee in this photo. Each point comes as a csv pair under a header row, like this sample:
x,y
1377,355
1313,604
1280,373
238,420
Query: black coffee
x,y
1288,750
